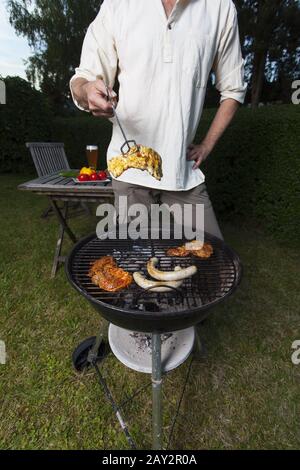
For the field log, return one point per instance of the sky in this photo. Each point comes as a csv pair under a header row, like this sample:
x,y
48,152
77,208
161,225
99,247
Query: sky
x,y
13,49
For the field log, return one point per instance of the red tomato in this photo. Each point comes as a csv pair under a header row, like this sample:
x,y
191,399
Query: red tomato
x,y
102,175
94,177
83,178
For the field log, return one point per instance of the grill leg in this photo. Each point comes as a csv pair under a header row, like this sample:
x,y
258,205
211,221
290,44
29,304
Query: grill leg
x,y
93,354
115,407
157,392
100,338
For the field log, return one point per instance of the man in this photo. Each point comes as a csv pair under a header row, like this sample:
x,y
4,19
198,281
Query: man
x,y
163,52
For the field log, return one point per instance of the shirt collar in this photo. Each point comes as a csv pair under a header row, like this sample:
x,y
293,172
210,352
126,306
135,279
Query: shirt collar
x,y
178,8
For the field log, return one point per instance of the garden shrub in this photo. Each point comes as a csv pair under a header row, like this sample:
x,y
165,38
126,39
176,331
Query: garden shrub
x,y
77,132
255,170
25,117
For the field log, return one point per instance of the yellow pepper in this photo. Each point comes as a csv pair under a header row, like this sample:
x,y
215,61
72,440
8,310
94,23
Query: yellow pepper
x,y
87,171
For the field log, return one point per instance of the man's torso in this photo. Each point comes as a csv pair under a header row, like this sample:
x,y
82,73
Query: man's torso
x,y
164,66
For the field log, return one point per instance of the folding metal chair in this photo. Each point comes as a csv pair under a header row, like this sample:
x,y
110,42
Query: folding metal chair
x,y
48,157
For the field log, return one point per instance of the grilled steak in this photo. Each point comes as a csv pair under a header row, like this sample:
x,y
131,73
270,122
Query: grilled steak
x,y
106,274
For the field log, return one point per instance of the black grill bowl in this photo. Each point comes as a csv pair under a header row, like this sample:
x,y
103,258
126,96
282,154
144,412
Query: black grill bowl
x,y
146,311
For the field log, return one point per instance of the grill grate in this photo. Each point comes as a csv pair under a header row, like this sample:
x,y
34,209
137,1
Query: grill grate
x,y
217,277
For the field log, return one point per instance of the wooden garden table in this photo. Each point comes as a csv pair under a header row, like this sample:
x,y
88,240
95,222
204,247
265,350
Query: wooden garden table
x,y
58,188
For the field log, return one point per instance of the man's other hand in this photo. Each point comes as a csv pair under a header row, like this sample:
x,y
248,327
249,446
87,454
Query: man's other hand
x,y
197,153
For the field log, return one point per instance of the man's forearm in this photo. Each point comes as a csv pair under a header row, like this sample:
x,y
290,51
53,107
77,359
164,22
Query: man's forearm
x,y
223,118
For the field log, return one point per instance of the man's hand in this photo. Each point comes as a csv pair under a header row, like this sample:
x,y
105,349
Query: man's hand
x,y
92,96
96,97
198,153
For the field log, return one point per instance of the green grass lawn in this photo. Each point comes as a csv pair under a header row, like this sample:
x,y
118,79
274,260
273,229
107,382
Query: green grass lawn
x,y
244,395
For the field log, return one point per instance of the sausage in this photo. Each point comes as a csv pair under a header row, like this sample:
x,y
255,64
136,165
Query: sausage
x,y
155,285
177,275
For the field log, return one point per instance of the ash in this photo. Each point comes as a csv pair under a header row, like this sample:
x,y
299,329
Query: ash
x,y
144,342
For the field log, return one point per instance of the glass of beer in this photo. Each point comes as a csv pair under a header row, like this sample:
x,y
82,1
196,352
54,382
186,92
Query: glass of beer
x,y
92,156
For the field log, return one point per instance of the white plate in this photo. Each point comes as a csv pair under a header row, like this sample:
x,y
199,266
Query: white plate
x,y
92,182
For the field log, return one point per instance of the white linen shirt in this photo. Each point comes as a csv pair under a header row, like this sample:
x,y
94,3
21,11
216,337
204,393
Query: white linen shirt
x,y
163,66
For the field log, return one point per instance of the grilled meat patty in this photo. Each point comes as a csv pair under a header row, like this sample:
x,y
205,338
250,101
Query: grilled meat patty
x,y
106,274
181,252
205,252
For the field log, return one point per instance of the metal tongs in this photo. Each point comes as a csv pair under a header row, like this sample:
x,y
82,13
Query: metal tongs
x,y
128,143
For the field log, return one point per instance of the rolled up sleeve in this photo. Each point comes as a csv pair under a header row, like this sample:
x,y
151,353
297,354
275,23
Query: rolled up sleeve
x,y
98,56
229,64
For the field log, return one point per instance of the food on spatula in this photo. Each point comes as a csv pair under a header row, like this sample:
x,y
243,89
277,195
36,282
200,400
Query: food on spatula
x,y
106,274
177,275
156,286
182,252
138,157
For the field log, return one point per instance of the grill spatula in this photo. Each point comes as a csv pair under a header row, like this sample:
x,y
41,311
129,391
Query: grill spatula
x,y
128,144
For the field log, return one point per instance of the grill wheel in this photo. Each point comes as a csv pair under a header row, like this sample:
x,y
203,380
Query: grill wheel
x,y
80,357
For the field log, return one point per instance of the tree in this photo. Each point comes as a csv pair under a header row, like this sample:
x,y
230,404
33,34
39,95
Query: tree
x,y
270,38
55,30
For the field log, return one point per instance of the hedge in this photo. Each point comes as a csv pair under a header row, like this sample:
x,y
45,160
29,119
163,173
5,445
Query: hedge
x,y
254,172
77,132
26,117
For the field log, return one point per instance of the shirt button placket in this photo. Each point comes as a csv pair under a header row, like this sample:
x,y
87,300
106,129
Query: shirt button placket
x,y
168,46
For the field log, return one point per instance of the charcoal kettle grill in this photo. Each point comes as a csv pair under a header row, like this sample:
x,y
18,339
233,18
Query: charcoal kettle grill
x,y
146,311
